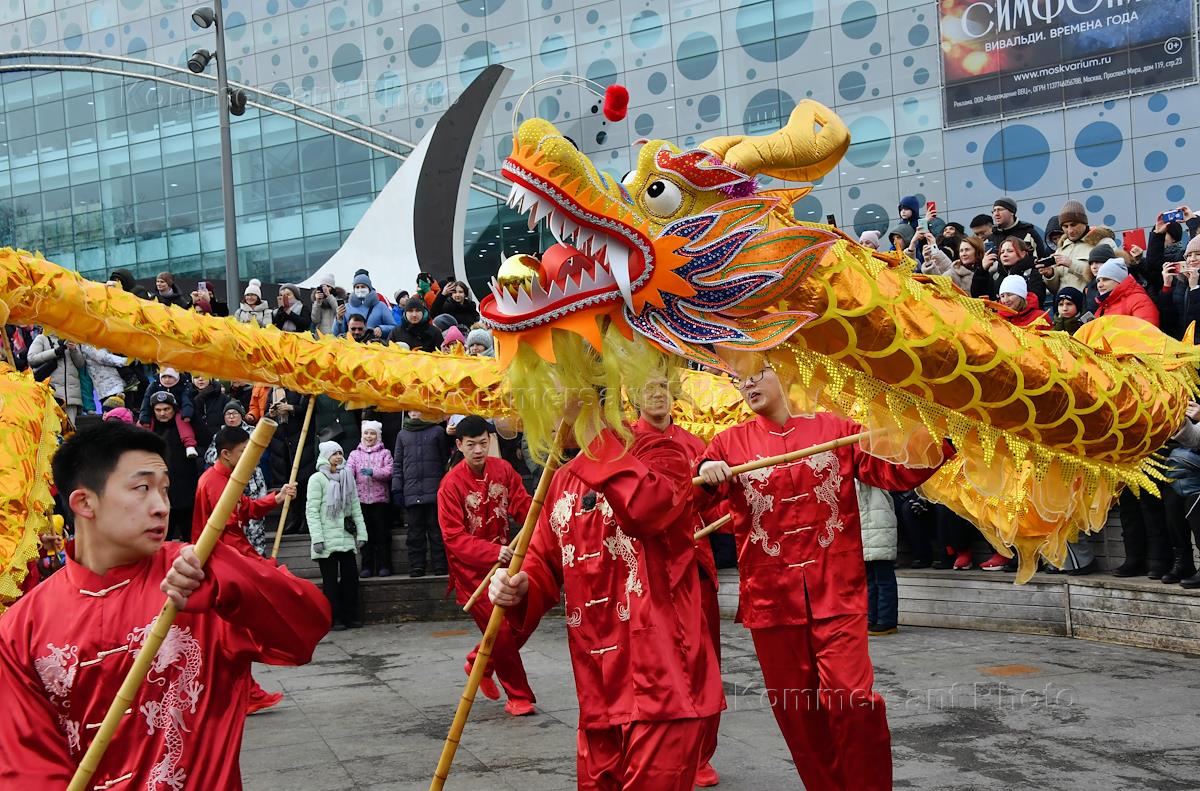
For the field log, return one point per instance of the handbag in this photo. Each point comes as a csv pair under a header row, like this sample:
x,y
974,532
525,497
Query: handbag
x,y
44,371
349,526
1183,469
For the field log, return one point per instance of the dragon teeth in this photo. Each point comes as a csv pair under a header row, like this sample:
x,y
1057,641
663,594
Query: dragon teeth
x,y
618,266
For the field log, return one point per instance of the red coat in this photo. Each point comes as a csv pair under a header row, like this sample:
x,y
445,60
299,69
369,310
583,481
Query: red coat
x,y
616,538
694,447
65,649
797,527
1032,317
209,490
474,514
1128,298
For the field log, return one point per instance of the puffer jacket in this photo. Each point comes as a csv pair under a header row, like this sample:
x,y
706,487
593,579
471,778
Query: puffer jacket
x,y
102,366
1128,298
878,514
331,531
376,487
65,379
324,311
419,462
259,314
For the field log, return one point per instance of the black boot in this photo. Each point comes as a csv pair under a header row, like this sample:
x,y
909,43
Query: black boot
x,y
1130,568
1192,582
1183,567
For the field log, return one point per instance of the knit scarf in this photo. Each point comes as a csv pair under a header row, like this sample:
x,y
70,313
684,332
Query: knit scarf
x,y
340,493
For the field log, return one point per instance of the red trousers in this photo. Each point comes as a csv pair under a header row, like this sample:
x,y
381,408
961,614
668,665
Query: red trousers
x,y
506,654
640,756
819,680
712,619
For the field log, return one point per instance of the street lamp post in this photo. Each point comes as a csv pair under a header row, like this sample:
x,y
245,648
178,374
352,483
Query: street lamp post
x,y
208,17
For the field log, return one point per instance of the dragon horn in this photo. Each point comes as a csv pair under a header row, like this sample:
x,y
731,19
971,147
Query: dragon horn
x,y
809,146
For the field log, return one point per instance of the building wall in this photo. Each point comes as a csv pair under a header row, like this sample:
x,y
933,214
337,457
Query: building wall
x,y
695,68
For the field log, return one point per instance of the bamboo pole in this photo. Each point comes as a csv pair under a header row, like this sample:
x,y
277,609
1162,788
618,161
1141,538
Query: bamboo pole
x,y
489,635
287,503
162,624
794,455
487,580
713,527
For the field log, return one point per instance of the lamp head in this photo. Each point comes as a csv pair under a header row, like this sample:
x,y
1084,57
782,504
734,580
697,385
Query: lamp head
x,y
203,17
199,61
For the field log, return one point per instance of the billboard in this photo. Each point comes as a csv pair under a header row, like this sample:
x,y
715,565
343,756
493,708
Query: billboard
x,y
1006,57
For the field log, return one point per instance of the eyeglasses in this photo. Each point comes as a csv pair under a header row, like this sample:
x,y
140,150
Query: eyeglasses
x,y
750,381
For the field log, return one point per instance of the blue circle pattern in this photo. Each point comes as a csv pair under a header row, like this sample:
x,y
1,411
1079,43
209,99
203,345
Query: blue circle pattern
x,y
697,56
1098,144
858,20
1016,157
872,142
1156,161
773,30
1094,203
852,85
646,29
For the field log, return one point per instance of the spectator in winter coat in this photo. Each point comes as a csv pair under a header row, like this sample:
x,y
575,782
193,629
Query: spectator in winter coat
x,y
961,271
124,279
371,465
982,227
910,212
335,522
356,330
67,359
1070,268
1165,245
1070,315
417,330
1012,258
204,300
291,316
328,306
878,515
169,379
418,464
399,298
102,366
1091,294
869,239
1004,218
453,337
427,289
479,342
181,465
1179,299
1054,232
119,413
900,237
1121,295
455,300
1014,295
365,301
208,408
168,293
253,310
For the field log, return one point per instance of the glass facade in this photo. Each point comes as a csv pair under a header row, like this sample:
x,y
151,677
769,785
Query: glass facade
x,y
100,170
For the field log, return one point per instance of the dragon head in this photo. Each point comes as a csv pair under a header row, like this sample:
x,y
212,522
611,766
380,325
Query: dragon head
x,y
686,250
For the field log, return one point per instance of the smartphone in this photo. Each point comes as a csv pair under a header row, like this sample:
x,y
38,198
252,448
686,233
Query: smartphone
x,y
930,207
830,220
923,224
989,246
1174,215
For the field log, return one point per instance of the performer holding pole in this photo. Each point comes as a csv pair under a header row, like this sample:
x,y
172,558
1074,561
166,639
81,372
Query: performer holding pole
x,y
67,646
475,501
803,583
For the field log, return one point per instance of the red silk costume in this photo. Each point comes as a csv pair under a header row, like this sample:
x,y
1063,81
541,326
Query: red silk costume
x,y
803,592
695,447
208,490
616,538
474,513
66,647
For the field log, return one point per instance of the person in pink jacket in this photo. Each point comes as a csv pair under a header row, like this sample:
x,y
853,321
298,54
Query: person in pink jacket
x,y
371,465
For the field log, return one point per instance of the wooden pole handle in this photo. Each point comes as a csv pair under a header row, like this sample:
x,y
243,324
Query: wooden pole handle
x,y
487,580
287,503
712,528
489,635
794,455
162,624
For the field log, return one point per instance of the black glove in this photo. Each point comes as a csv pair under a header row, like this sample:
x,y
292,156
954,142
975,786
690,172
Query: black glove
x,y
60,351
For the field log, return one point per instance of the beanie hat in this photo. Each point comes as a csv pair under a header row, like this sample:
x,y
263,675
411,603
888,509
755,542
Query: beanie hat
x,y
1006,203
253,287
171,372
911,203
1073,211
484,338
166,277
1114,269
1071,294
363,279
904,231
400,296
236,406
452,336
372,425
981,219
120,413
113,402
1100,253
1053,226
358,272
415,303
1174,230
870,239
957,226
1014,284
1193,246
326,451
444,321
326,280
163,397
292,287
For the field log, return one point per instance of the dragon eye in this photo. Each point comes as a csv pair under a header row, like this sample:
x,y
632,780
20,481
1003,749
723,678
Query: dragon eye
x,y
663,198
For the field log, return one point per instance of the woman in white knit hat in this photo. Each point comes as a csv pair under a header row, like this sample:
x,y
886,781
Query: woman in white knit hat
x,y
253,309
335,522
1014,295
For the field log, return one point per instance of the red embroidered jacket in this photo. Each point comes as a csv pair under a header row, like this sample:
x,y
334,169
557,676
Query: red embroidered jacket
x,y
209,490
65,649
616,538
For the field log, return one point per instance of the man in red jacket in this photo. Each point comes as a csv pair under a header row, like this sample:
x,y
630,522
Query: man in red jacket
x,y
1121,295
231,444
66,647
803,582
475,501
616,538
654,419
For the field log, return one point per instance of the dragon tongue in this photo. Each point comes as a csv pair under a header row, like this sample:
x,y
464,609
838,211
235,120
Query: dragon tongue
x,y
618,264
